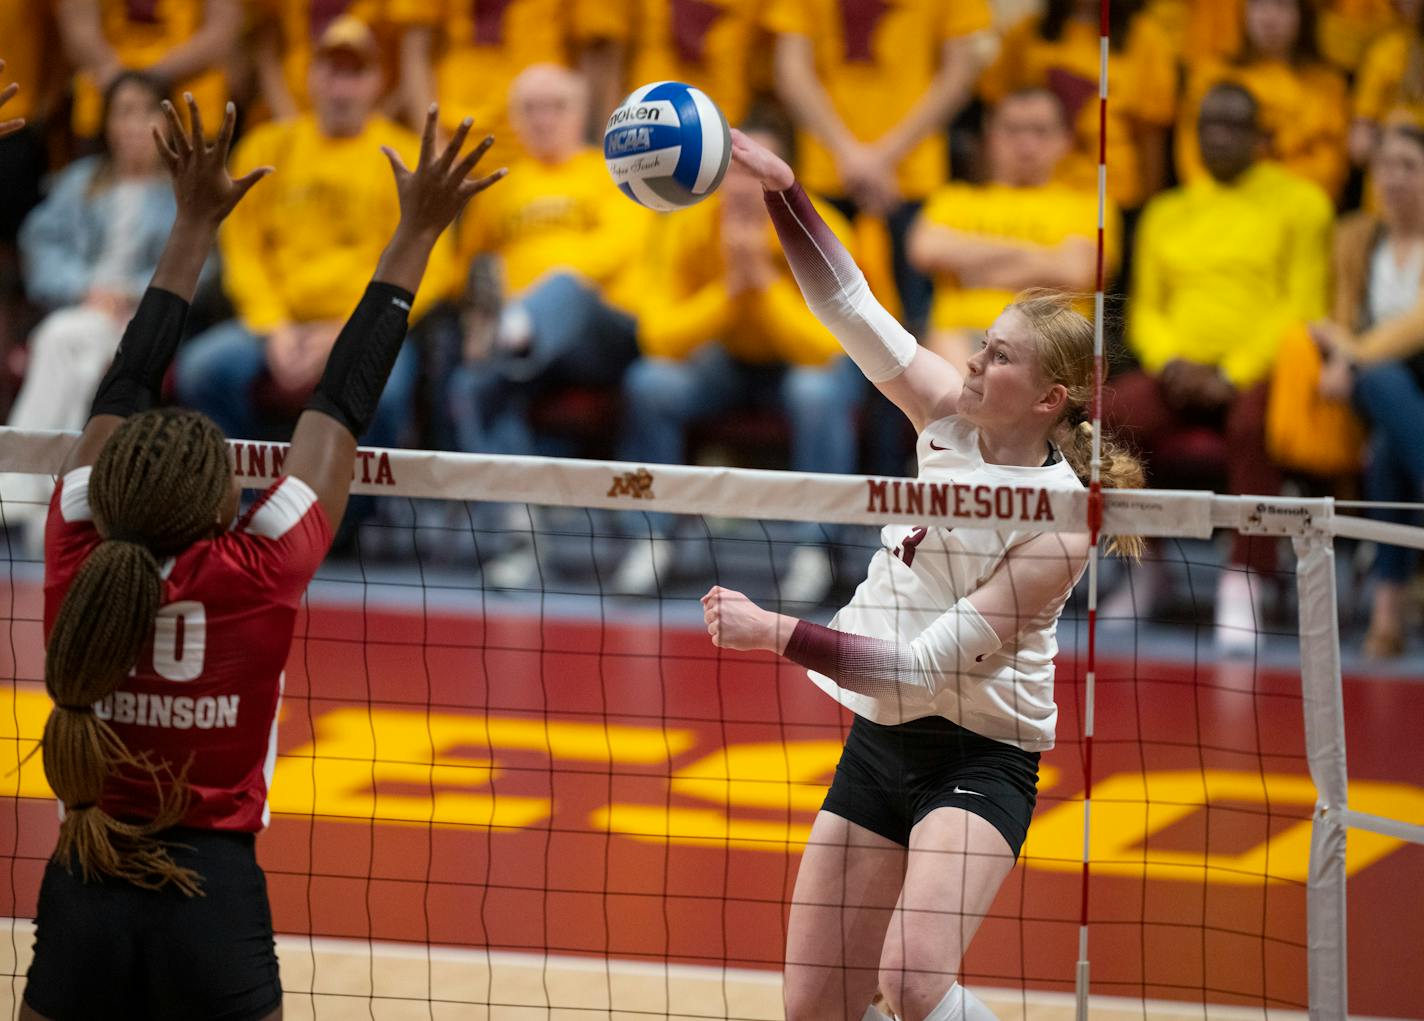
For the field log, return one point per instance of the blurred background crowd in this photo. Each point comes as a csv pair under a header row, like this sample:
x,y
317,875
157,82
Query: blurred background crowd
x,y
1264,236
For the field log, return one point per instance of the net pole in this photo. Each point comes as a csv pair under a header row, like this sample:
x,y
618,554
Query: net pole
x,y
1081,979
1324,712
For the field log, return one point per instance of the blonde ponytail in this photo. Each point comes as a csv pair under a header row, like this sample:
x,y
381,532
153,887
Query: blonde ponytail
x,y
1065,356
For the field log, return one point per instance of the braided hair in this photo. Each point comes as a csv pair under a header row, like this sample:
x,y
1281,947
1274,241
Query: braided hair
x,y
1064,339
157,487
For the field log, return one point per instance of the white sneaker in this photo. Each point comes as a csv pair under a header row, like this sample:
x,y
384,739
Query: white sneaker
x,y
516,569
649,563
1238,613
808,576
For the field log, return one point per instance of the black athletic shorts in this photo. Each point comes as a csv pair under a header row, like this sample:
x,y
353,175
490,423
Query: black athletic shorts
x,y
108,949
889,778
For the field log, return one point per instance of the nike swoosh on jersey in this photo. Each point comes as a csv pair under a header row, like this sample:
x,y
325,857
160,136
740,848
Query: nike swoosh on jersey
x,y
936,446
961,790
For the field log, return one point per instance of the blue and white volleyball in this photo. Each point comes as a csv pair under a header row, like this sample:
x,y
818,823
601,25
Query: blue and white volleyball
x,y
667,146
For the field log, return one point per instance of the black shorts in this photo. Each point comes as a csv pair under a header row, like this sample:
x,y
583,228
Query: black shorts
x,y
889,778
108,949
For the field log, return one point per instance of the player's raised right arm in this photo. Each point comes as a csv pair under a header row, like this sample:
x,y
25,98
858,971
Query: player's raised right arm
x,y
431,196
921,384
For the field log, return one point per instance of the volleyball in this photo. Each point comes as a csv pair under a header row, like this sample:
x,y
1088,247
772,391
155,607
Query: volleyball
x,y
667,146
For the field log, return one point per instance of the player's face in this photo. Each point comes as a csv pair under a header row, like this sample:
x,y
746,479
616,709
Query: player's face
x,y
1027,140
133,114
1003,386
345,88
1399,176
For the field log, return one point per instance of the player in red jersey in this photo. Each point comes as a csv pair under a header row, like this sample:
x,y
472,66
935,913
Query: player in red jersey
x,y
167,628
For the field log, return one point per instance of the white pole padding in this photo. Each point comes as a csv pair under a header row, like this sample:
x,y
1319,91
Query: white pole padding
x,y
1350,527
1324,714
1353,820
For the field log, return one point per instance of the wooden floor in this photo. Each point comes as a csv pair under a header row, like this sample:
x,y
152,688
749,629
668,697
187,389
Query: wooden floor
x,y
341,980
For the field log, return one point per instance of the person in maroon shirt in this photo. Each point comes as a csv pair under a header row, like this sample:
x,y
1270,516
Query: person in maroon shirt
x,y
167,627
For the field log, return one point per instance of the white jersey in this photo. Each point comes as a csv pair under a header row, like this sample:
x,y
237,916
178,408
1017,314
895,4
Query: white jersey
x,y
920,573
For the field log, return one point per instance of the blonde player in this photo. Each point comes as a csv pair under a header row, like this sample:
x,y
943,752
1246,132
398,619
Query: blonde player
x,y
945,652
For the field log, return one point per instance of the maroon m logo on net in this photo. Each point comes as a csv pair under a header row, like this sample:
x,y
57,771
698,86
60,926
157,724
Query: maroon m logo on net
x,y
638,485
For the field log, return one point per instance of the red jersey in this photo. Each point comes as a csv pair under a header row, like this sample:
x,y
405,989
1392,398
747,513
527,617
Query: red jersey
x,y
209,683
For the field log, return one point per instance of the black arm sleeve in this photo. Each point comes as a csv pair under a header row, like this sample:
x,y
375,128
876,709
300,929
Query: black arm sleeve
x,y
361,359
135,377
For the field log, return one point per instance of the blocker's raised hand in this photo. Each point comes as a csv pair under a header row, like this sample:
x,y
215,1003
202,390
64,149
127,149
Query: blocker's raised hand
x,y
201,183
432,194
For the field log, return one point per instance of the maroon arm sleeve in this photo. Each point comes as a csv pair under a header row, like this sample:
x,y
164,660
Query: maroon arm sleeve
x,y
823,268
868,666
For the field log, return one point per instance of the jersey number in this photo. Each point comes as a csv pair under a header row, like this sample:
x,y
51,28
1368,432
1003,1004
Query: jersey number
x,y
179,639
906,550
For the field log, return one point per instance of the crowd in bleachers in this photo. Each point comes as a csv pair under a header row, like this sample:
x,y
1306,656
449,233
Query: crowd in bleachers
x,y
1265,226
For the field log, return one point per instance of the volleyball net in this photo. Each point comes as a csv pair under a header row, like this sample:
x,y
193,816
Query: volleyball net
x,y
516,779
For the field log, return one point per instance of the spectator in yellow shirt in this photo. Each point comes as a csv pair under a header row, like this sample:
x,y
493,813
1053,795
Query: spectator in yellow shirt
x,y
297,253
186,43
983,243
1059,50
1224,265
467,53
553,281
710,44
872,88
1302,99
1391,76
725,329
283,34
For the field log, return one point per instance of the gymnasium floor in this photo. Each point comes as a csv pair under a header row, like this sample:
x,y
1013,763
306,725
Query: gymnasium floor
x,y
615,808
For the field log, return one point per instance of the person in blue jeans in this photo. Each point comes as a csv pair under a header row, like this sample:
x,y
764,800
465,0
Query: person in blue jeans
x,y
1391,397
220,370
1374,353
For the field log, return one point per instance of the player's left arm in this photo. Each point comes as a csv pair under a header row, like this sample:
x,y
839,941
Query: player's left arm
x,y
205,194
1033,577
961,60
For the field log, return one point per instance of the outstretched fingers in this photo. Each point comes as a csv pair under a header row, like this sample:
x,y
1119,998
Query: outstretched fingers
x,y
229,125
463,168
195,118
245,183
427,136
397,164
469,189
166,151
457,142
178,137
